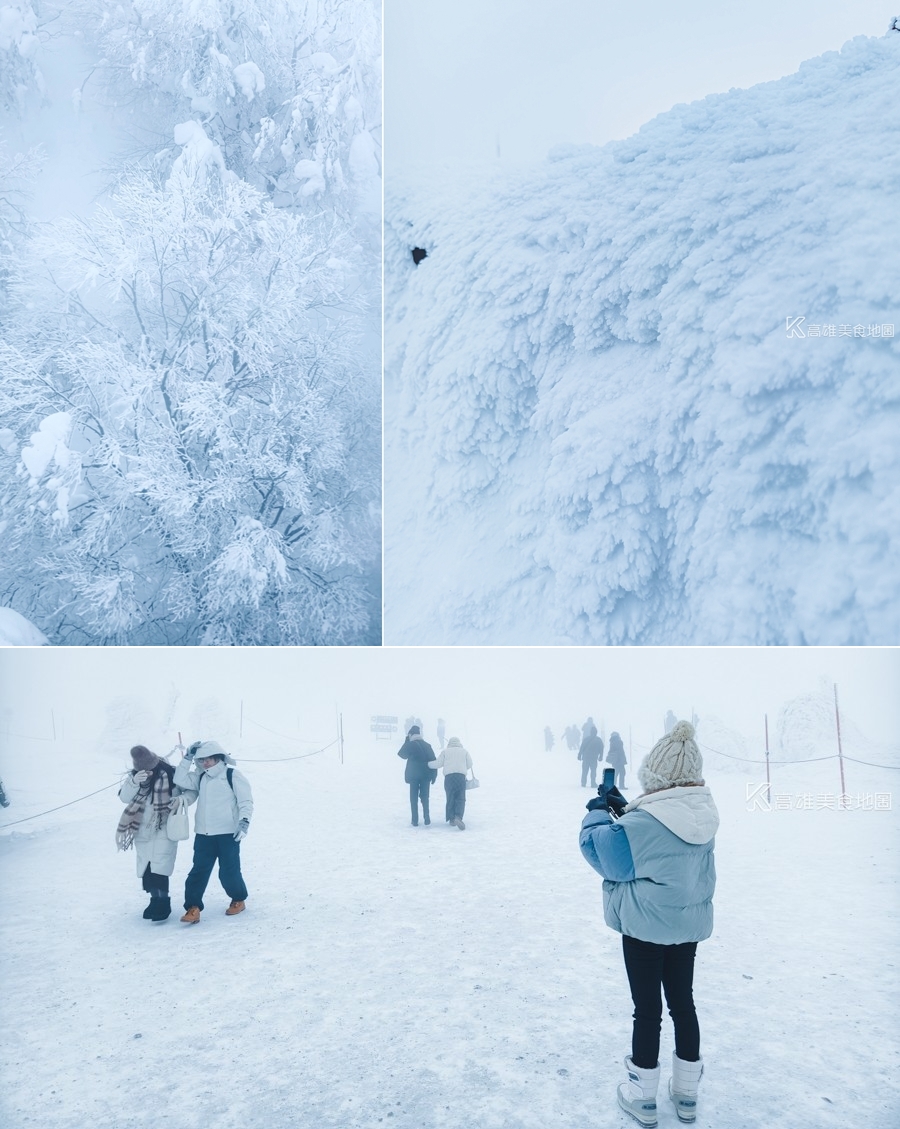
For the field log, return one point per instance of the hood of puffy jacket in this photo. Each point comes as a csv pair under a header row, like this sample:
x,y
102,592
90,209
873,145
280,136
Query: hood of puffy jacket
x,y
688,811
212,749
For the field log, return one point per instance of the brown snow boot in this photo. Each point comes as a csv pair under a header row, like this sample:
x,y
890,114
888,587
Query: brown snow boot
x,y
236,907
191,915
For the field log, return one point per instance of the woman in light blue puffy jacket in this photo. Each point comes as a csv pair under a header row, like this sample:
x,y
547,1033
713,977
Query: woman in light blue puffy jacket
x,y
656,858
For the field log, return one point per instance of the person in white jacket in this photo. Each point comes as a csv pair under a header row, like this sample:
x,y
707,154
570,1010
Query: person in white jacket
x,y
147,792
455,762
224,808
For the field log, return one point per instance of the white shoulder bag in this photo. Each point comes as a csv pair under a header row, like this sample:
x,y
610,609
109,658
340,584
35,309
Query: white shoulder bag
x,y
177,825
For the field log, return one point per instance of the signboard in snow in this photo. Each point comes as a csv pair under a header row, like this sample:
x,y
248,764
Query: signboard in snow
x,y
384,725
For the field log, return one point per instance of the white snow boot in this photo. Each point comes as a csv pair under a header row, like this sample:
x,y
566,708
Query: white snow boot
x,y
637,1096
683,1087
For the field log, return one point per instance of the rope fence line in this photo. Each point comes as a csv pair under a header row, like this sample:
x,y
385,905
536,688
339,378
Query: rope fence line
x,y
871,764
771,761
286,736
117,782
282,760
38,815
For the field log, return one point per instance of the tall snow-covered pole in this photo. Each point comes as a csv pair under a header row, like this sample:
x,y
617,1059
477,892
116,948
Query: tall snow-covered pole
x,y
53,723
768,778
341,734
241,728
837,718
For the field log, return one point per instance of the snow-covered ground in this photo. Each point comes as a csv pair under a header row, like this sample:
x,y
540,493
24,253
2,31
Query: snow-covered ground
x,y
647,393
424,977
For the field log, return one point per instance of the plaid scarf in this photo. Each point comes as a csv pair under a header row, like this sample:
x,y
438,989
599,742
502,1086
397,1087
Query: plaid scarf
x,y
159,787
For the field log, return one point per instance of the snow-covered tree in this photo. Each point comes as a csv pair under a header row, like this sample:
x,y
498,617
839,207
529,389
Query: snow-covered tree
x,y
20,77
190,434
16,173
289,90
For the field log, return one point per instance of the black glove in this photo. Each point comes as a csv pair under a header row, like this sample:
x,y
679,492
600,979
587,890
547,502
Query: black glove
x,y
608,799
192,750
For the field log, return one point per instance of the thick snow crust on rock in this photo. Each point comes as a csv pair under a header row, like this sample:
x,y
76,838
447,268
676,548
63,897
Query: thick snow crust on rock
x,y
598,427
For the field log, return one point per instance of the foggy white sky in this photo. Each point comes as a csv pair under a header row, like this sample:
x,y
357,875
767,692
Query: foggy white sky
x,y
458,73
478,691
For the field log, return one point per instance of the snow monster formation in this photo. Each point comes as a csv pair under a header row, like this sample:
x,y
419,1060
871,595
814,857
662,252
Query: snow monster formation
x,y
647,393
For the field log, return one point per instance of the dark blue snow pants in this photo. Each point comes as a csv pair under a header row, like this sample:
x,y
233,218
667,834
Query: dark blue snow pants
x,y
670,967
419,790
455,787
207,849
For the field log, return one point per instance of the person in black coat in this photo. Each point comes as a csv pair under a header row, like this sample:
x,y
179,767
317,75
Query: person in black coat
x,y
417,753
590,752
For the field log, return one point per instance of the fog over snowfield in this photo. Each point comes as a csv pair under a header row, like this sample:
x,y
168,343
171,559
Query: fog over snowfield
x,y
646,393
423,977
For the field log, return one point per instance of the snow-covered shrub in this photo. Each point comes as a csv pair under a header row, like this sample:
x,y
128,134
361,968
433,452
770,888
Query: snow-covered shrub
x,y
191,436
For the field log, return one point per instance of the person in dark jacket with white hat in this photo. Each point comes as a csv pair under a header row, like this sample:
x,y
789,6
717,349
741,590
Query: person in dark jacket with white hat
x,y
222,820
656,856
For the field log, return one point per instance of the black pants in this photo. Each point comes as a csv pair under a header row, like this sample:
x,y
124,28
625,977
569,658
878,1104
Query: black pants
x,y
157,885
620,776
208,848
455,787
419,790
592,766
671,967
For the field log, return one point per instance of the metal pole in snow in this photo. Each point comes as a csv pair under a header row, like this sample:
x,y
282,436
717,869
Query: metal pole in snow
x,y
768,780
241,730
837,718
341,734
53,724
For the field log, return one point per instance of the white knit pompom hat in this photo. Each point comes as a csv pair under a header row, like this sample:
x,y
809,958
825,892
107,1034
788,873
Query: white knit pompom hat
x,y
673,760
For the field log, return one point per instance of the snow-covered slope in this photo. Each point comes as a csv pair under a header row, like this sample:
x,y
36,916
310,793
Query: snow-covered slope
x,y
600,427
